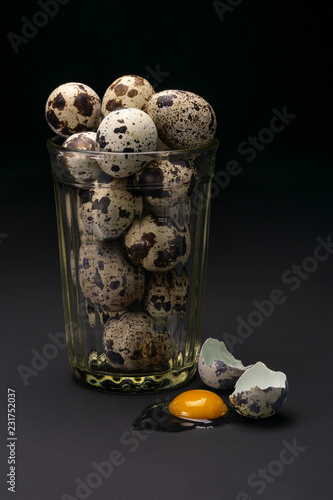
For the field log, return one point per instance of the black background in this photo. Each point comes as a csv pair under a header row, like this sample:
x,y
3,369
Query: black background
x,y
261,56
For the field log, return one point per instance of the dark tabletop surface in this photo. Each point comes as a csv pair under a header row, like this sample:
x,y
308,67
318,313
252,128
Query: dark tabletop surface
x,y
271,228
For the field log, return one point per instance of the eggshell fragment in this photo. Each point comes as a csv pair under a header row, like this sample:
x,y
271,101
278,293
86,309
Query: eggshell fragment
x,y
73,107
217,367
129,91
131,343
259,392
183,119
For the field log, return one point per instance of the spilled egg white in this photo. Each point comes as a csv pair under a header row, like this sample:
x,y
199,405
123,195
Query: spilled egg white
x,y
217,367
259,392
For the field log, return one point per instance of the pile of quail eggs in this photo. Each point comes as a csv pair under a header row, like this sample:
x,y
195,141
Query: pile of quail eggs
x,y
128,256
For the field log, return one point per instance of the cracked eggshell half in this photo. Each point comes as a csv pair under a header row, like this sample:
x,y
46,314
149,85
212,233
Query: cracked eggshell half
x,y
77,167
73,107
126,131
131,343
217,367
183,119
128,91
156,243
259,392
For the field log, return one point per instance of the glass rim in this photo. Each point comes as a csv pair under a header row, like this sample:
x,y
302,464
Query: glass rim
x,y
52,145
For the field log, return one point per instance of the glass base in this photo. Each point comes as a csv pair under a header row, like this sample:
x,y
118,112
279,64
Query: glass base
x,y
143,383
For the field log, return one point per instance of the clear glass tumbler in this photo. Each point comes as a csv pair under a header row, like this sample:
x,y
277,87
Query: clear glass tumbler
x,y
133,254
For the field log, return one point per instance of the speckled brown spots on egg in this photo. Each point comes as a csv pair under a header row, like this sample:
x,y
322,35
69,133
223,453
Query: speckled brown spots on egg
x,y
138,252
84,103
132,93
120,89
165,101
58,102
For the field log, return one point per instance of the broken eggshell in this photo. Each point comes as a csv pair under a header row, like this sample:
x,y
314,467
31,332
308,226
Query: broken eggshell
x,y
259,392
217,366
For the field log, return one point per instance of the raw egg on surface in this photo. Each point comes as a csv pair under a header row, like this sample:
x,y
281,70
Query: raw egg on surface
x,y
198,404
195,409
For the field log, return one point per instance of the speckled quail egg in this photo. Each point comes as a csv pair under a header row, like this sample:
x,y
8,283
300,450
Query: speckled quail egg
x,y
217,367
107,209
166,294
131,343
156,243
106,277
128,130
183,119
166,183
78,167
73,107
259,392
129,91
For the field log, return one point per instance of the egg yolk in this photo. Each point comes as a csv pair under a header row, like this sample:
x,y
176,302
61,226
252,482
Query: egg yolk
x,y
198,404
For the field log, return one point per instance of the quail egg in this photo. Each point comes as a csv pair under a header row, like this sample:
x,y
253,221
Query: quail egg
x,y
128,130
79,167
166,183
166,294
183,119
107,210
217,367
156,243
106,277
129,91
73,107
259,392
131,343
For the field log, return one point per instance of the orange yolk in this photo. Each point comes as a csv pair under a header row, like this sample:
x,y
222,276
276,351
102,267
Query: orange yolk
x,y
198,405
